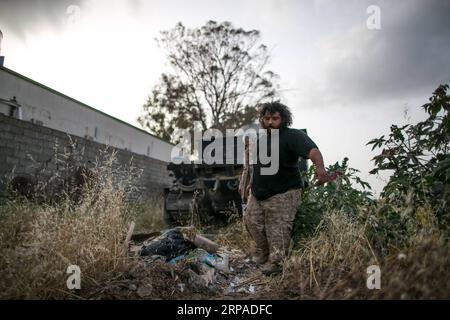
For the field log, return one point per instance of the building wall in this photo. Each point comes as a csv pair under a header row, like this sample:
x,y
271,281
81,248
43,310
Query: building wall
x,y
52,109
22,140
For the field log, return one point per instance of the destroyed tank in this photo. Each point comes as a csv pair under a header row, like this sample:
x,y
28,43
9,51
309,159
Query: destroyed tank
x,y
205,193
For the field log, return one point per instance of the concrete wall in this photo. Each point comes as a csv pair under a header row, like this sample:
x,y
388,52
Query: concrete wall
x,y
21,139
52,109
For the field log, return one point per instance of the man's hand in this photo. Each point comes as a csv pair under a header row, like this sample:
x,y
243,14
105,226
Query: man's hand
x,y
322,176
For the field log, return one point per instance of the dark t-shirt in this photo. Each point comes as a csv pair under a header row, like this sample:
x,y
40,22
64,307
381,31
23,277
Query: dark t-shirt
x,y
293,143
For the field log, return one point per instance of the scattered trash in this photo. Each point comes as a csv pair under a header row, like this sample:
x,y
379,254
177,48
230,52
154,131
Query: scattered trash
x,y
170,244
195,281
205,243
206,266
198,240
135,250
242,290
251,289
174,260
222,263
233,285
176,242
218,261
208,275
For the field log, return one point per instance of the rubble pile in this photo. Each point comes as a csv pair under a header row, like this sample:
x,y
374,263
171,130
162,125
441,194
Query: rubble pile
x,y
193,265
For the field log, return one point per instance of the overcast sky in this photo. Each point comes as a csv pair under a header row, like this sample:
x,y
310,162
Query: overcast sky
x,y
346,83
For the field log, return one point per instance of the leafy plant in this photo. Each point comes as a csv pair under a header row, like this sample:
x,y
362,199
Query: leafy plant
x,y
340,195
418,155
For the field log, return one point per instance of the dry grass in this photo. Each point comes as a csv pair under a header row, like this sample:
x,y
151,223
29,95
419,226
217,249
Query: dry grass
x,y
149,215
333,263
38,242
420,272
235,235
338,245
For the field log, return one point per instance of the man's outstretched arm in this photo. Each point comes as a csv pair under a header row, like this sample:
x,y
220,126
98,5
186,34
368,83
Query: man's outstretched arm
x,y
320,173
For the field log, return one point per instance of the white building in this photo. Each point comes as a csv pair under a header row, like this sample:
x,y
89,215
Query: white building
x,y
29,100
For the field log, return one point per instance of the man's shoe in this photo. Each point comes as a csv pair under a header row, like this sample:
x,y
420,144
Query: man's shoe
x,y
271,269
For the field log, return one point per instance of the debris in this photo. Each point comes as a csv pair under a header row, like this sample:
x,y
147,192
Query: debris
x,y
204,243
251,289
135,250
217,261
222,263
198,240
178,241
207,275
174,260
195,281
206,266
231,288
170,244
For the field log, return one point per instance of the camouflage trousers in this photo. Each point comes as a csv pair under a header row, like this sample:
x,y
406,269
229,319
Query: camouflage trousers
x,y
269,222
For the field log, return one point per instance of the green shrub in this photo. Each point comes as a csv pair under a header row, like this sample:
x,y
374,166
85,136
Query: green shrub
x,y
418,156
340,195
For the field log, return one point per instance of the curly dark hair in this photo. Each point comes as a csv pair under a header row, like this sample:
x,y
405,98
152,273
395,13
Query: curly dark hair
x,y
272,107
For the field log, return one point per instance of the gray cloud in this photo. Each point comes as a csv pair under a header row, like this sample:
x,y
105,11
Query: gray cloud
x,y
20,16
406,58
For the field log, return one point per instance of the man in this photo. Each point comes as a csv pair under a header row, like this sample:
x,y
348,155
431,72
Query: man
x,y
273,199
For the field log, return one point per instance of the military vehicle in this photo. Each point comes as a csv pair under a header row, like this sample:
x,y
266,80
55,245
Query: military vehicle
x,y
205,193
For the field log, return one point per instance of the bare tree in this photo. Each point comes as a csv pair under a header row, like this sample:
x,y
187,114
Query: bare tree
x,y
219,76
